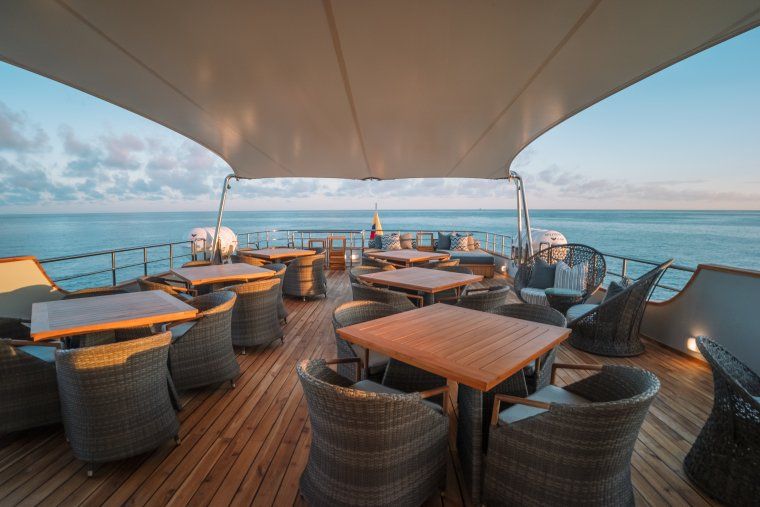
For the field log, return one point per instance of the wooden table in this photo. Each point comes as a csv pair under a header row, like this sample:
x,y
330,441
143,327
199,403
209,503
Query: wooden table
x,y
69,317
407,257
429,281
273,254
476,349
220,273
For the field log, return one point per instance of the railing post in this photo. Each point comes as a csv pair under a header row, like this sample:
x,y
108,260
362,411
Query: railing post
x,y
624,269
171,255
145,261
502,245
113,268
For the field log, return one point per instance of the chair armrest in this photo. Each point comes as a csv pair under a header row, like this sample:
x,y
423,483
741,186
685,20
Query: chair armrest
x,y
175,323
417,297
344,360
22,343
567,366
515,400
435,392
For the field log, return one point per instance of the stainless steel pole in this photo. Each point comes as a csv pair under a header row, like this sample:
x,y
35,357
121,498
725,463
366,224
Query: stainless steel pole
x,y
225,188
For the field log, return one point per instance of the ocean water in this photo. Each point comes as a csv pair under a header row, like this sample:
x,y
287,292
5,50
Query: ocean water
x,y
691,237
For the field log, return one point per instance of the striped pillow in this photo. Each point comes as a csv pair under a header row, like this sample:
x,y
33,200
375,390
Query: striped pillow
x,y
391,242
460,243
573,278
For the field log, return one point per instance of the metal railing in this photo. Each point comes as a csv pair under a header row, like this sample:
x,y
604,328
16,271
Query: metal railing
x,y
131,254
137,257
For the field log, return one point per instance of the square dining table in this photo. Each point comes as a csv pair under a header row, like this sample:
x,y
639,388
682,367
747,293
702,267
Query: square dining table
x,y
407,257
71,317
276,254
429,281
221,273
477,350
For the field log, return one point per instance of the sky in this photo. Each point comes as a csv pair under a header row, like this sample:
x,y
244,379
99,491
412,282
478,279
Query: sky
x,y
685,138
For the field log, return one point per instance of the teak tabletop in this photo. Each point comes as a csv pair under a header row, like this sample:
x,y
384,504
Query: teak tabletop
x,y
68,317
422,279
474,348
217,273
408,257
271,254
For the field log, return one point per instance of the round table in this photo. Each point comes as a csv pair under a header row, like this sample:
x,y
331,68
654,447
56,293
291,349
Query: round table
x,y
562,299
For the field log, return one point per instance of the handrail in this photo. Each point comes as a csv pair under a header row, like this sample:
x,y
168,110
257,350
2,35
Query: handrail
x,y
493,242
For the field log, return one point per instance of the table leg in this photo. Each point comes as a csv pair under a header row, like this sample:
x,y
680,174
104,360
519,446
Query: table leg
x,y
366,363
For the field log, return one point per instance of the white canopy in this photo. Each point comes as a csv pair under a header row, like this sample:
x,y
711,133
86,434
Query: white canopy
x,y
357,89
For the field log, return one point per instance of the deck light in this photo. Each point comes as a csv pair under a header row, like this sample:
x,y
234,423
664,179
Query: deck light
x,y
691,344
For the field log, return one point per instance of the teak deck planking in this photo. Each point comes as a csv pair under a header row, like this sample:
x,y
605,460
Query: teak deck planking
x,y
218,273
249,445
425,280
478,349
68,317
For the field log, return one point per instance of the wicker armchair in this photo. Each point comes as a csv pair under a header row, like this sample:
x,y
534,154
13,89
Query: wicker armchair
x,y
612,327
254,316
367,447
447,263
537,375
29,390
571,254
724,459
115,400
450,295
305,277
398,300
156,283
246,259
279,272
569,446
354,273
352,313
201,352
484,300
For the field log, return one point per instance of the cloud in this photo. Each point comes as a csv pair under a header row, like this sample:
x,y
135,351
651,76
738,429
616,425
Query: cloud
x,y
121,152
31,185
86,156
17,134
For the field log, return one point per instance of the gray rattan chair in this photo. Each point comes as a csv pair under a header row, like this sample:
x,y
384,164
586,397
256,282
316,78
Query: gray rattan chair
x,y
448,263
370,448
725,457
254,316
612,327
569,446
352,313
354,273
305,277
570,254
484,300
115,399
398,300
450,295
537,375
279,272
29,389
156,283
246,259
201,352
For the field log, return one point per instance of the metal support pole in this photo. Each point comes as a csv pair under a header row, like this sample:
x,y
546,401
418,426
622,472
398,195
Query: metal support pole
x,y
225,188
522,214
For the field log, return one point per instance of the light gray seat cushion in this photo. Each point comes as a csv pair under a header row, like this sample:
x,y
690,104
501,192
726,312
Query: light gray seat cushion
x,y
534,296
549,394
478,257
373,387
576,311
180,329
377,362
41,352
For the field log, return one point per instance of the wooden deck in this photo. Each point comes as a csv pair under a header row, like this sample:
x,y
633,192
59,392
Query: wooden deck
x,y
249,445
